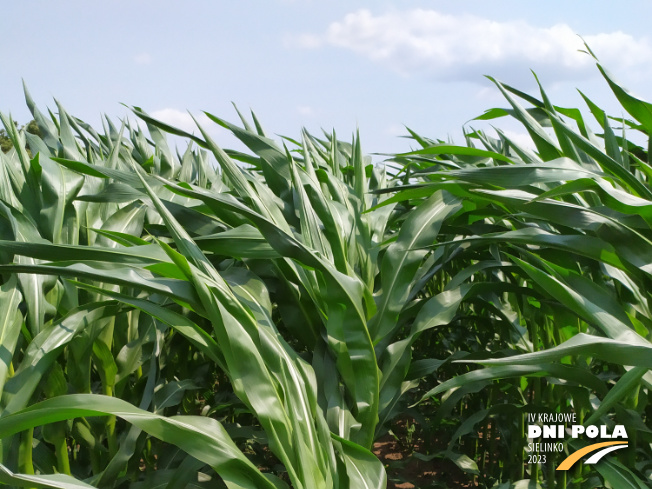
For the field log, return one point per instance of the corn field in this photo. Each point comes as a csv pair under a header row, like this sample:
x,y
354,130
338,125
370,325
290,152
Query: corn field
x,y
265,319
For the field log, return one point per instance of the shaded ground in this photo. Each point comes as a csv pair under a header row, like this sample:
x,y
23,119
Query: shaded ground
x,y
406,471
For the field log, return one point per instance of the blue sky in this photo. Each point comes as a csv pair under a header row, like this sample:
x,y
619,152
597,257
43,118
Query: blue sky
x,y
339,64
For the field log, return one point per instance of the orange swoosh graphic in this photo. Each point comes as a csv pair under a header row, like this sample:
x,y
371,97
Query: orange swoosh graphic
x,y
575,456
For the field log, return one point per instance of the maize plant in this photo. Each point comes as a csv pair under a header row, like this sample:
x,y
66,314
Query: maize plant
x,y
219,318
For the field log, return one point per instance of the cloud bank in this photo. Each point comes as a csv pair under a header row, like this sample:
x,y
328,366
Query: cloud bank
x,y
464,47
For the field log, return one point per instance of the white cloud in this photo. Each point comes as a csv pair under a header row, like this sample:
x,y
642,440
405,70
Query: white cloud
x,y
396,130
521,138
305,110
182,119
464,47
143,59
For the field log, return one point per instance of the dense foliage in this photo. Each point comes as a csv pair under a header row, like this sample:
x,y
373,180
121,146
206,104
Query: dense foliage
x,y
260,320
5,141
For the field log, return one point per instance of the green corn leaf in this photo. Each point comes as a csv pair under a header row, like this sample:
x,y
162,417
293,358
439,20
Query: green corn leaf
x,y
634,351
630,380
574,374
11,321
203,438
637,108
445,149
402,259
53,481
